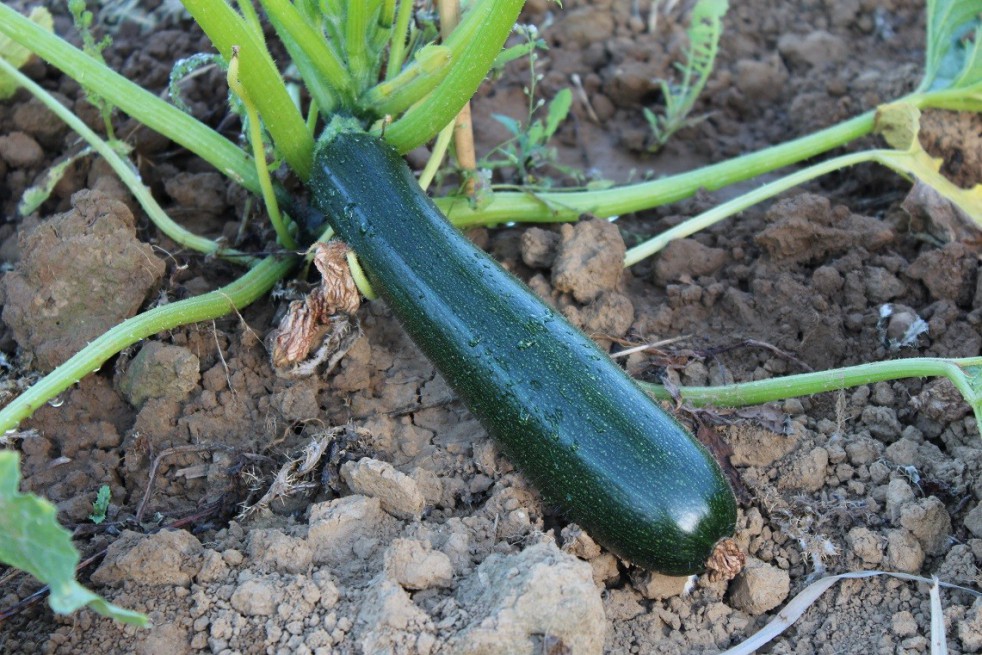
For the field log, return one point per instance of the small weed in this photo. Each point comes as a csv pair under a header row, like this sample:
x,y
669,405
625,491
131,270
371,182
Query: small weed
x,y
101,505
527,152
704,32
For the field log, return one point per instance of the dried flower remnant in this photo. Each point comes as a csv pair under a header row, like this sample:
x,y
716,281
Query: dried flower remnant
x,y
726,561
322,326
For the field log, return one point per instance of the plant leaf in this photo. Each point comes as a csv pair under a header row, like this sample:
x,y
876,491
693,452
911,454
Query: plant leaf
x,y
558,111
32,540
17,54
510,123
899,124
954,51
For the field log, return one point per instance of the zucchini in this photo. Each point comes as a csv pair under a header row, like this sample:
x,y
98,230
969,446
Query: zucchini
x,y
587,437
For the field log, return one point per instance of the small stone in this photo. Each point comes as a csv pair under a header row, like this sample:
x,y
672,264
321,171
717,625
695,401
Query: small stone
x,y
397,492
807,471
415,565
687,258
20,150
511,601
861,451
168,557
818,48
655,586
213,567
160,370
759,588
589,259
903,624
973,521
278,551
255,597
579,543
538,247
904,552
865,545
970,628
928,520
343,527
903,452
882,422
899,493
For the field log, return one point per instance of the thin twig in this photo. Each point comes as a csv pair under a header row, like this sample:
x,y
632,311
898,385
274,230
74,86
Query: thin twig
x,y
647,346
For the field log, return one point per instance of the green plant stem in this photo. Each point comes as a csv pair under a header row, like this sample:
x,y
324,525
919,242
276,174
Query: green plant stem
x,y
262,80
259,155
557,206
240,293
131,98
475,44
357,20
251,18
436,157
323,72
965,374
400,38
729,208
126,173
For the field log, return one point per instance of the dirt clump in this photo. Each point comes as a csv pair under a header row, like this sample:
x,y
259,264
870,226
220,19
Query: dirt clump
x,y
80,273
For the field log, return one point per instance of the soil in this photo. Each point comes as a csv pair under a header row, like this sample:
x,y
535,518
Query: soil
x,y
363,510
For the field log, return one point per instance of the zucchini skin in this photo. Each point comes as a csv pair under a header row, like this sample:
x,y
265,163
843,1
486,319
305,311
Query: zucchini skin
x,y
588,438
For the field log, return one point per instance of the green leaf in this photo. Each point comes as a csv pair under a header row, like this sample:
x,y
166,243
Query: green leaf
x,y
954,44
32,540
101,505
510,123
558,111
17,54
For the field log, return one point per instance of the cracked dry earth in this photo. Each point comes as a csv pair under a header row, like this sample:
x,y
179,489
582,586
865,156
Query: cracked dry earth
x,y
407,531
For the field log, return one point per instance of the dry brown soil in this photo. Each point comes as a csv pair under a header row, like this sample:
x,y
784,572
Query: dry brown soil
x,y
409,533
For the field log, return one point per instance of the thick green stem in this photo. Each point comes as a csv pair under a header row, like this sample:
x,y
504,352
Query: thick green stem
x,y
475,44
235,296
358,28
323,72
505,207
282,118
965,374
131,98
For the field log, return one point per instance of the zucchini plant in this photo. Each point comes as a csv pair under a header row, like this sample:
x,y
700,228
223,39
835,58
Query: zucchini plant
x,y
582,431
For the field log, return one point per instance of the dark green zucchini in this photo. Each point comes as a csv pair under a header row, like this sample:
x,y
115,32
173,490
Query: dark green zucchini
x,y
572,421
